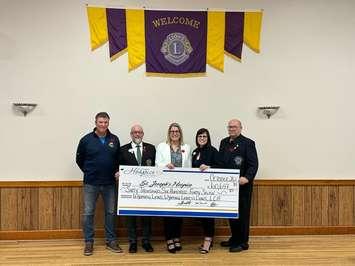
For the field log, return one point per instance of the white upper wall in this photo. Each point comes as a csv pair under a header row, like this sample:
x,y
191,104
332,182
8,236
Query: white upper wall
x,y
306,66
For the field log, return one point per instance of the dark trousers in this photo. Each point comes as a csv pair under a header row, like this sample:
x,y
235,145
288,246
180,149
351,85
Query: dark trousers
x,y
131,222
208,226
240,227
172,227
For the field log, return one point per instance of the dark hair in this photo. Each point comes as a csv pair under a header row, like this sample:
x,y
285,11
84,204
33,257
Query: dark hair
x,y
102,115
201,131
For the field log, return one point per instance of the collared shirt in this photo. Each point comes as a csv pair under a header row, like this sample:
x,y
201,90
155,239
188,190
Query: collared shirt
x,y
134,148
103,139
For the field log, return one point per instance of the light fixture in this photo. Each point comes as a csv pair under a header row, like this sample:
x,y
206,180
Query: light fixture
x,y
24,108
268,111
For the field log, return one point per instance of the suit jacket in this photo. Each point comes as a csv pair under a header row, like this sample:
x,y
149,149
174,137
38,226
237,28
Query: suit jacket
x,y
163,156
127,156
240,154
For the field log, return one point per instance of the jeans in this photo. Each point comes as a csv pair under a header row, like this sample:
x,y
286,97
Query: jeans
x,y
108,194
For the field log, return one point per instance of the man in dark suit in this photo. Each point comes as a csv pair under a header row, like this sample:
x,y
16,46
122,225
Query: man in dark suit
x,y
140,153
238,152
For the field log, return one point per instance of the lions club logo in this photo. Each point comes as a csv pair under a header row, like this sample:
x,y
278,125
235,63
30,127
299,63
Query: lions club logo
x,y
176,48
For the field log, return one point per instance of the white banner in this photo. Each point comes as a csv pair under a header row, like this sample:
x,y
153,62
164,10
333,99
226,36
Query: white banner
x,y
185,192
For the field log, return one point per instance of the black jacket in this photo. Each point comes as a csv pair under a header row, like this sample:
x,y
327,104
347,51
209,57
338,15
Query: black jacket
x,y
208,156
98,161
240,153
127,157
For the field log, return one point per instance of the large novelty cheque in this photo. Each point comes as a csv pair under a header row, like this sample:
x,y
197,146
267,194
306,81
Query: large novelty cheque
x,y
185,192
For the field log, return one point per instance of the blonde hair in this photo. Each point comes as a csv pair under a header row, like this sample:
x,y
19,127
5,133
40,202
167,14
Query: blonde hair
x,y
168,141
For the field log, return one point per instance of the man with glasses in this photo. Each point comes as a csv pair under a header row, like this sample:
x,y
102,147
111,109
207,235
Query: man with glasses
x,y
137,153
239,152
97,156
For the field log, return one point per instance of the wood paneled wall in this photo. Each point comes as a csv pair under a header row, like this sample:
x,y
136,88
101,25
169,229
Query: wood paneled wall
x,y
279,207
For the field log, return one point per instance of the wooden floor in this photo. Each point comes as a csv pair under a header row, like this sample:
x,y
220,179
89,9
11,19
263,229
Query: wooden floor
x,y
277,250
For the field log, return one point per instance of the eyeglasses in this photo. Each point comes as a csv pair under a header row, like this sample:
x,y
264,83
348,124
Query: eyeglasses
x,y
174,131
232,127
137,132
202,136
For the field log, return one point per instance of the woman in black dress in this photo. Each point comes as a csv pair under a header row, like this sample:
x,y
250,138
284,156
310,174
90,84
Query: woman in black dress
x,y
205,156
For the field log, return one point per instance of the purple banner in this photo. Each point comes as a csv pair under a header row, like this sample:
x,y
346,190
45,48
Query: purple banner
x,y
175,41
233,42
116,26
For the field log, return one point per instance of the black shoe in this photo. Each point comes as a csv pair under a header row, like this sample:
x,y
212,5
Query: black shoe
x,y
147,247
245,246
236,248
170,246
225,244
132,248
177,244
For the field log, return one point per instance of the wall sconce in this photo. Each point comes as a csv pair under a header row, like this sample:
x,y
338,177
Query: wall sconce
x,y
24,108
268,111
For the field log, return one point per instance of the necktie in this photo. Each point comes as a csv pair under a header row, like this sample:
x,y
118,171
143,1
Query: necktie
x,y
139,155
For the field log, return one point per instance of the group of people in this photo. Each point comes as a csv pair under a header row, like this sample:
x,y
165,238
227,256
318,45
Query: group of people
x,y
99,155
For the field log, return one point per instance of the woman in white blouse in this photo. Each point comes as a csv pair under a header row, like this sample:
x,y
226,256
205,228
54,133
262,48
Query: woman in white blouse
x,y
173,153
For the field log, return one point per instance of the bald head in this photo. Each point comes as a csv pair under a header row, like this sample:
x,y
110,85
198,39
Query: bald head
x,y
235,121
234,128
137,133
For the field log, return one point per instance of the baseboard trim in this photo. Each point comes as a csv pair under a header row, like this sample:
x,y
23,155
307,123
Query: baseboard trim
x,y
302,230
190,231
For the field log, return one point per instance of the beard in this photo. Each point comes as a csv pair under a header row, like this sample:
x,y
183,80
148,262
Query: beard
x,y
137,140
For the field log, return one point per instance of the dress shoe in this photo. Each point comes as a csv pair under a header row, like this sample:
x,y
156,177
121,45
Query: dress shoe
x,y
177,244
245,246
147,247
132,248
236,248
170,246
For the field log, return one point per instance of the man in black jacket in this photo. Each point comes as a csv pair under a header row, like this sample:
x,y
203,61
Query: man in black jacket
x,y
97,156
238,152
137,153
